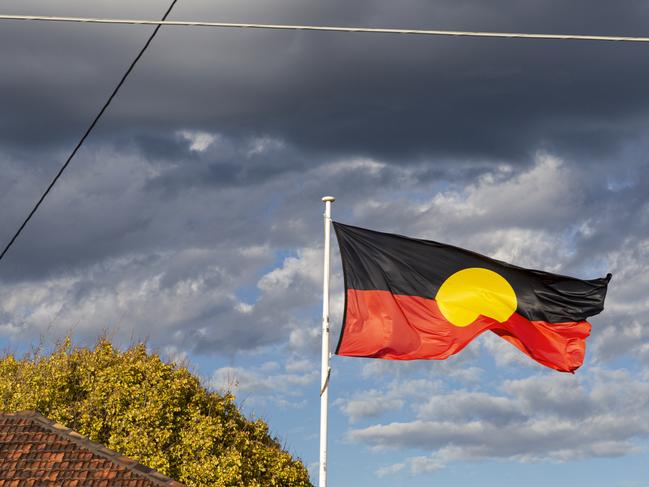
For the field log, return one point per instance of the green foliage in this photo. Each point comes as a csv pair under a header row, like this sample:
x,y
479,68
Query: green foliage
x,y
154,412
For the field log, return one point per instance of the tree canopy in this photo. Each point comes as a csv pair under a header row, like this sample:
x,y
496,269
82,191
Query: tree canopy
x,y
154,412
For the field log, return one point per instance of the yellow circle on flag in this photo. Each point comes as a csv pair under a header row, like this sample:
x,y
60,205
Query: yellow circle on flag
x,y
475,291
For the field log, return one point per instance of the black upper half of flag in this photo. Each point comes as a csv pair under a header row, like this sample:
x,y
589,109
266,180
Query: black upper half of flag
x,y
408,266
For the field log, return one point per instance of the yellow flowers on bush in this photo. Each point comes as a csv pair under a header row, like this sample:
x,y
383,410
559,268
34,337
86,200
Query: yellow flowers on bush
x,y
157,413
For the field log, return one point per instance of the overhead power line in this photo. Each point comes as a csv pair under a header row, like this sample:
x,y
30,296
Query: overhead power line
x,y
87,132
164,22
366,30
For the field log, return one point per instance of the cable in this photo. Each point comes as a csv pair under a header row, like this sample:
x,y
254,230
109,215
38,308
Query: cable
x,y
87,132
164,21
453,33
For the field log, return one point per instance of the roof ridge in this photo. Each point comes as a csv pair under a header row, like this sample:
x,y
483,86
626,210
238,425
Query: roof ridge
x,y
97,448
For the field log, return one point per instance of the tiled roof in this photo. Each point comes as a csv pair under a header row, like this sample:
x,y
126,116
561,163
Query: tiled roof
x,y
35,451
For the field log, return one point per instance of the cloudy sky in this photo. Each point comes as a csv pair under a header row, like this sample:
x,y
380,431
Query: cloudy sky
x,y
192,217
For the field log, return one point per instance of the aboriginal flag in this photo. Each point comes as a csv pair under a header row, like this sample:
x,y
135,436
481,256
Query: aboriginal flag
x,y
412,299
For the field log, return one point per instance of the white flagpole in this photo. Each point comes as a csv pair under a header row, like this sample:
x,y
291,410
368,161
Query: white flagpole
x,y
326,369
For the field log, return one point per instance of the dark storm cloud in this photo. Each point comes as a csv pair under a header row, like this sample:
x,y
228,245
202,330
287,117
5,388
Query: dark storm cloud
x,y
384,96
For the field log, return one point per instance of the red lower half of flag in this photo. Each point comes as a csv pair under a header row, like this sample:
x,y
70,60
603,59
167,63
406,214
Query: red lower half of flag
x,y
380,324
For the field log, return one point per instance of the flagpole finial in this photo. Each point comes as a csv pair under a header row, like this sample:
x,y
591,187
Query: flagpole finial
x,y
328,199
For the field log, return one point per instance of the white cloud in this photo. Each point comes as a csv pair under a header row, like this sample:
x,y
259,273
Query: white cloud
x,y
547,417
264,145
390,469
373,403
423,465
299,366
521,217
181,300
623,326
303,270
368,167
261,384
305,338
368,404
458,367
198,141
504,353
467,405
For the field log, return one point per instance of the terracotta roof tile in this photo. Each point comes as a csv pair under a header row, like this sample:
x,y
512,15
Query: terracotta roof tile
x,y
37,451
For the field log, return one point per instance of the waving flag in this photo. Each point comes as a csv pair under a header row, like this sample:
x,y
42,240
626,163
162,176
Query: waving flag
x,y
412,299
